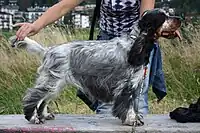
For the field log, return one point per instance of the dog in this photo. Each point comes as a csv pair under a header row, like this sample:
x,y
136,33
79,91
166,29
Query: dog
x,y
108,70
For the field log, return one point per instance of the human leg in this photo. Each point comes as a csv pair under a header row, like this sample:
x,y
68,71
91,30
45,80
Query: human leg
x,y
143,99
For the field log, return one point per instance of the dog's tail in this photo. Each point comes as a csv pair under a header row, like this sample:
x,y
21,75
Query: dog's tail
x,y
28,44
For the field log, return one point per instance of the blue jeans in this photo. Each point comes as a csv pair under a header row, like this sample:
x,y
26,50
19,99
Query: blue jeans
x,y
154,76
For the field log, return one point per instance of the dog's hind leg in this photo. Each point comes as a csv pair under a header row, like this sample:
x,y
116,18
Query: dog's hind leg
x,y
48,85
125,105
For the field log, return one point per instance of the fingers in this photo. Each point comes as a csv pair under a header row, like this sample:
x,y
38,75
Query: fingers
x,y
24,30
18,24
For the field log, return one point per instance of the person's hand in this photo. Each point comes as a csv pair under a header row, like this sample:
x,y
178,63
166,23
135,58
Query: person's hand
x,y
26,29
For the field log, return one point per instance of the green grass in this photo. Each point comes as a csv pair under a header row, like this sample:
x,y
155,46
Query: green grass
x,y
180,59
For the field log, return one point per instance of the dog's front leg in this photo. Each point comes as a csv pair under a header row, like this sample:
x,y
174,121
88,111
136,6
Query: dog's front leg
x,y
126,103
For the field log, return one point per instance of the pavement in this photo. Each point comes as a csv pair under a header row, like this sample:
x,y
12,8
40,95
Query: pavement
x,y
94,124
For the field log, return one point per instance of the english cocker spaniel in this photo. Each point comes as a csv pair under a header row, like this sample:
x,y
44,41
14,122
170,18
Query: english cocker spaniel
x,y
110,70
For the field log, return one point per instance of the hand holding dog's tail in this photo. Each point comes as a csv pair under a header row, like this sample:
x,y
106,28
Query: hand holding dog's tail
x,y
28,44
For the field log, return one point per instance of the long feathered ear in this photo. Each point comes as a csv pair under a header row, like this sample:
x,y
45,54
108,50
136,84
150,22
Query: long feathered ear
x,y
148,24
136,56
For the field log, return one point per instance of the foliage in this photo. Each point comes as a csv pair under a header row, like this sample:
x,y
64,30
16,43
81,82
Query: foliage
x,y
186,6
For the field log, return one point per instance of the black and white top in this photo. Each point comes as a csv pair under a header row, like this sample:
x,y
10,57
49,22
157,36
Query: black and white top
x,y
118,16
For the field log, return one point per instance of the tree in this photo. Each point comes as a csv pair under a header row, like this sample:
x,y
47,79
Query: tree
x,y
186,6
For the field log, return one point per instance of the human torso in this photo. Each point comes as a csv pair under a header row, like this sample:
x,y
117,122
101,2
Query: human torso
x,y
118,16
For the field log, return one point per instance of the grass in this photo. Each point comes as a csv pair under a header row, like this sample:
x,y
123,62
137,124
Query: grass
x,y
181,63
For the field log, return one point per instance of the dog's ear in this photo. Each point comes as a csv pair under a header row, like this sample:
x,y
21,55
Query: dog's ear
x,y
136,56
152,20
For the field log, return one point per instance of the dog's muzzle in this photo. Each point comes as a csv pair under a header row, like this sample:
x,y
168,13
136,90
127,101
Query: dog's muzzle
x,y
169,28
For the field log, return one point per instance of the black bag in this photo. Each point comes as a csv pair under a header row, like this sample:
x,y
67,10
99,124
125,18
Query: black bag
x,y
183,115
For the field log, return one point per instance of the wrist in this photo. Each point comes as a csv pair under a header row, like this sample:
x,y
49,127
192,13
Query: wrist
x,y
38,25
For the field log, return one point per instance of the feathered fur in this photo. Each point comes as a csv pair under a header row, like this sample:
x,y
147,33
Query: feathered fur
x,y
107,70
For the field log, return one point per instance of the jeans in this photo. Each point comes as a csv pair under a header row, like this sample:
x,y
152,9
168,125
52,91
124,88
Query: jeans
x,y
154,76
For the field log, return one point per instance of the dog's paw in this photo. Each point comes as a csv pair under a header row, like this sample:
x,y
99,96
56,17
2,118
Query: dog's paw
x,y
132,119
138,122
37,120
135,122
49,116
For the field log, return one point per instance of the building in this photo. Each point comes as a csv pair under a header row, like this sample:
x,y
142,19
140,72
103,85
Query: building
x,y
6,20
81,20
11,7
7,12
19,17
34,12
10,14
81,16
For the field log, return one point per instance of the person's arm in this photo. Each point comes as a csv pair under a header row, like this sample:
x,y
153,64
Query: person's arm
x,y
51,15
146,5
55,12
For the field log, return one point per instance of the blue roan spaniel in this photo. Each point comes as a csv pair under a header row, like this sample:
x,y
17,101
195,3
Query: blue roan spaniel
x,y
110,71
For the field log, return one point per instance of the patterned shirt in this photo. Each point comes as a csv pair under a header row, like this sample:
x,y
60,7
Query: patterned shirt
x,y
118,16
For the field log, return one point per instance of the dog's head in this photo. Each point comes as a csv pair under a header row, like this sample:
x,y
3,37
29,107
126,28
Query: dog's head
x,y
157,22
153,24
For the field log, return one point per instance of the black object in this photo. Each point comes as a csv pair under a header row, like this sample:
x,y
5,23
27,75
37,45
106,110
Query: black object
x,y
183,115
96,15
